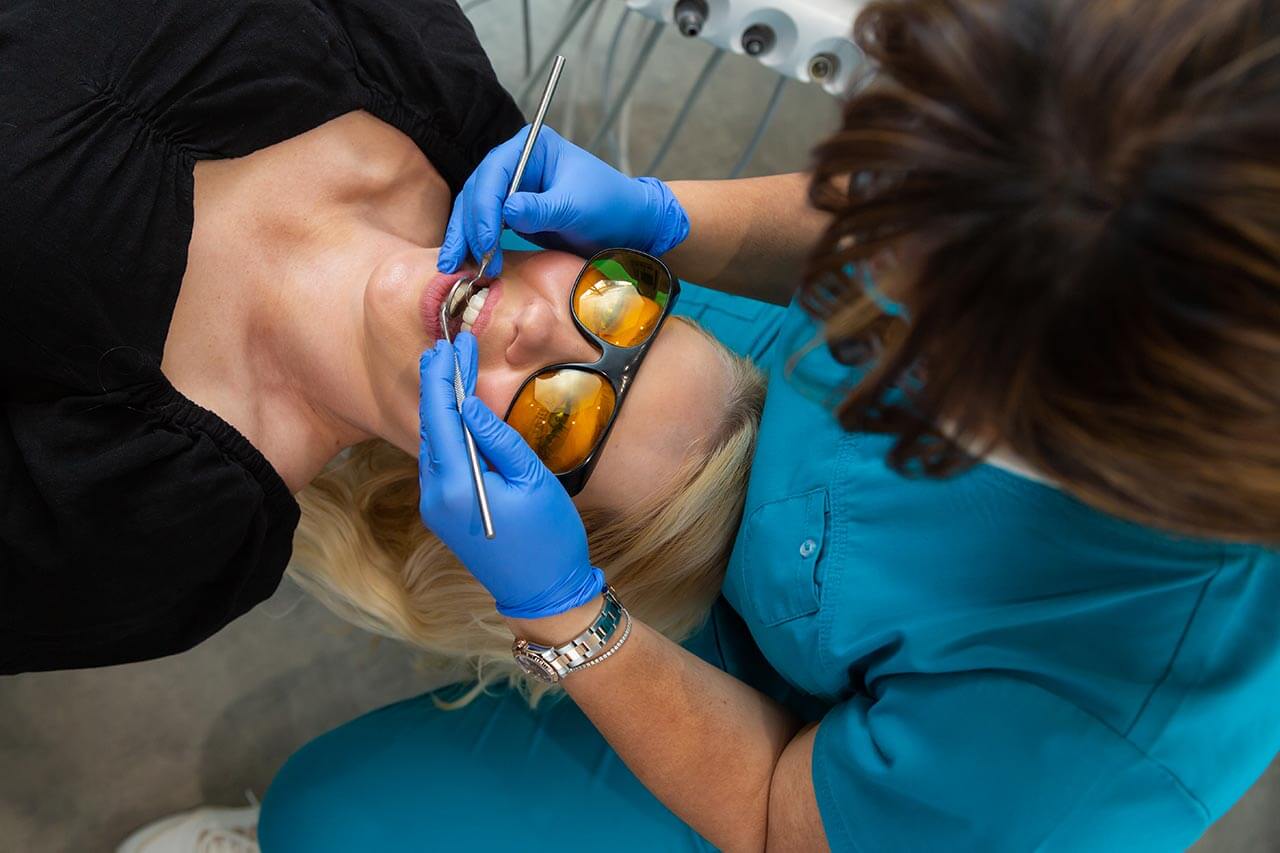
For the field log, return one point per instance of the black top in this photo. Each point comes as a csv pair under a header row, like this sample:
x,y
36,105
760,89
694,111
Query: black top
x,y
134,523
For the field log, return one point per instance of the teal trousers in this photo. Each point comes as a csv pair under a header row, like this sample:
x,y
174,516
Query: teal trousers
x,y
494,775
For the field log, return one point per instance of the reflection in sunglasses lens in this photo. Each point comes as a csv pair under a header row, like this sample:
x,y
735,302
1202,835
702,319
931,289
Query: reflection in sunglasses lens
x,y
562,414
619,301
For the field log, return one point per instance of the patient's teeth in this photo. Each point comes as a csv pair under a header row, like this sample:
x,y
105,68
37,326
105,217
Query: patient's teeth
x,y
474,304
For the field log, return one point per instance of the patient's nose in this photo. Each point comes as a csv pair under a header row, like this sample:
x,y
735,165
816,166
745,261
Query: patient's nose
x,y
545,336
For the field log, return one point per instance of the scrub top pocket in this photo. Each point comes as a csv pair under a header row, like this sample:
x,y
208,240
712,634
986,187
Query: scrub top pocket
x,y
781,555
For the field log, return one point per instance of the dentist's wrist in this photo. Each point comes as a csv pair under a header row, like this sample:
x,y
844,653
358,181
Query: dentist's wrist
x,y
560,628
672,221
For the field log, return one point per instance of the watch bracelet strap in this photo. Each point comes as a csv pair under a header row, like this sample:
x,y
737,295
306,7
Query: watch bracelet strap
x,y
626,632
590,644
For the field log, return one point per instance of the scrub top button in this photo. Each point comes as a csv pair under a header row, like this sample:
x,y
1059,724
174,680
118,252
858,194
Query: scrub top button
x,y
807,547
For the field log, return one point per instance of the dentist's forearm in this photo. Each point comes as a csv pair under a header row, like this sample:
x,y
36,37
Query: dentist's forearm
x,y
725,758
748,236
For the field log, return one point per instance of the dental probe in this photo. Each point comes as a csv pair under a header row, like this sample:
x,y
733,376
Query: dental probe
x,y
461,292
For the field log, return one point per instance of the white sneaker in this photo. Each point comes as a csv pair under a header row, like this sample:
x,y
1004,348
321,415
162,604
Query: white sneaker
x,y
203,830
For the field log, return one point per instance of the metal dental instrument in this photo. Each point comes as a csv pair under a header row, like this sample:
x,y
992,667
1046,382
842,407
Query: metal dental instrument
x,y
461,292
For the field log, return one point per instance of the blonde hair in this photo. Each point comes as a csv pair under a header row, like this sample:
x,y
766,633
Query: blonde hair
x,y
362,549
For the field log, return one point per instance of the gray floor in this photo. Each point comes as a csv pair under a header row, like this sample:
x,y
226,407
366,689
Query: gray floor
x,y
87,756
90,755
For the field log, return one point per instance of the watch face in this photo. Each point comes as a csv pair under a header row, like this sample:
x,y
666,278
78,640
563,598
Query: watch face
x,y
536,667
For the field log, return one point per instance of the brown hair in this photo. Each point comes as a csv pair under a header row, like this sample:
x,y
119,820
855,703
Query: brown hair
x,y
1085,198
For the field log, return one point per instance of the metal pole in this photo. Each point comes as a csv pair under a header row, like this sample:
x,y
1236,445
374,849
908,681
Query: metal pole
x,y
712,61
655,33
569,116
570,20
610,57
750,150
528,38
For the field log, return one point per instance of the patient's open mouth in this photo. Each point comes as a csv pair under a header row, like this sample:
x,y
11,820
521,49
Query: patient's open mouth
x,y
473,307
471,315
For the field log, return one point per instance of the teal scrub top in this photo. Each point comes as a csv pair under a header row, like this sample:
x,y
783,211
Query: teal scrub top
x,y
994,664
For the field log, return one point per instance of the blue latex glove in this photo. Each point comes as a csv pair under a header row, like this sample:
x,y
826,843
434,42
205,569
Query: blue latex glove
x,y
537,565
568,199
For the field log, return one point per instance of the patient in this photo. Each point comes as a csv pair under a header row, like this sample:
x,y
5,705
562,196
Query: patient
x,y
219,273
310,291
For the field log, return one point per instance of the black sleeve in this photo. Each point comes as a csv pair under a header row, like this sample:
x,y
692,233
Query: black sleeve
x,y
130,528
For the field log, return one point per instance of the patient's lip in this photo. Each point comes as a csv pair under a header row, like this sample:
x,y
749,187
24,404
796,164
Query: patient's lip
x,y
432,295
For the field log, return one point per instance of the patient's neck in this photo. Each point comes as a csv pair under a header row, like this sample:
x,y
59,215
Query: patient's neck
x,y
267,329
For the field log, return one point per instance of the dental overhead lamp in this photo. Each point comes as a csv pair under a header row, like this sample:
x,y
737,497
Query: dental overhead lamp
x,y
809,41
806,40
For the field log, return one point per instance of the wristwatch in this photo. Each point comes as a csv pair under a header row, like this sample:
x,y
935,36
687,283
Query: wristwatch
x,y
553,663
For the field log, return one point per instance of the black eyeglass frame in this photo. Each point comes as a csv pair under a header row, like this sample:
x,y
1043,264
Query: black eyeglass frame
x,y
618,365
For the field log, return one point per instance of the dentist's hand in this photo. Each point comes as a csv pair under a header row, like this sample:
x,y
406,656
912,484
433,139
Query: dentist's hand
x,y
537,565
567,199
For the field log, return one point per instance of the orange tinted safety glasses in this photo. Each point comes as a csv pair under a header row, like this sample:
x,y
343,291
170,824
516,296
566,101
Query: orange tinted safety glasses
x,y
565,411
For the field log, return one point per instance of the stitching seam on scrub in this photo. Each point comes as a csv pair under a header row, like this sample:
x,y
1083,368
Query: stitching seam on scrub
x,y
1125,739
1173,658
833,578
1057,827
